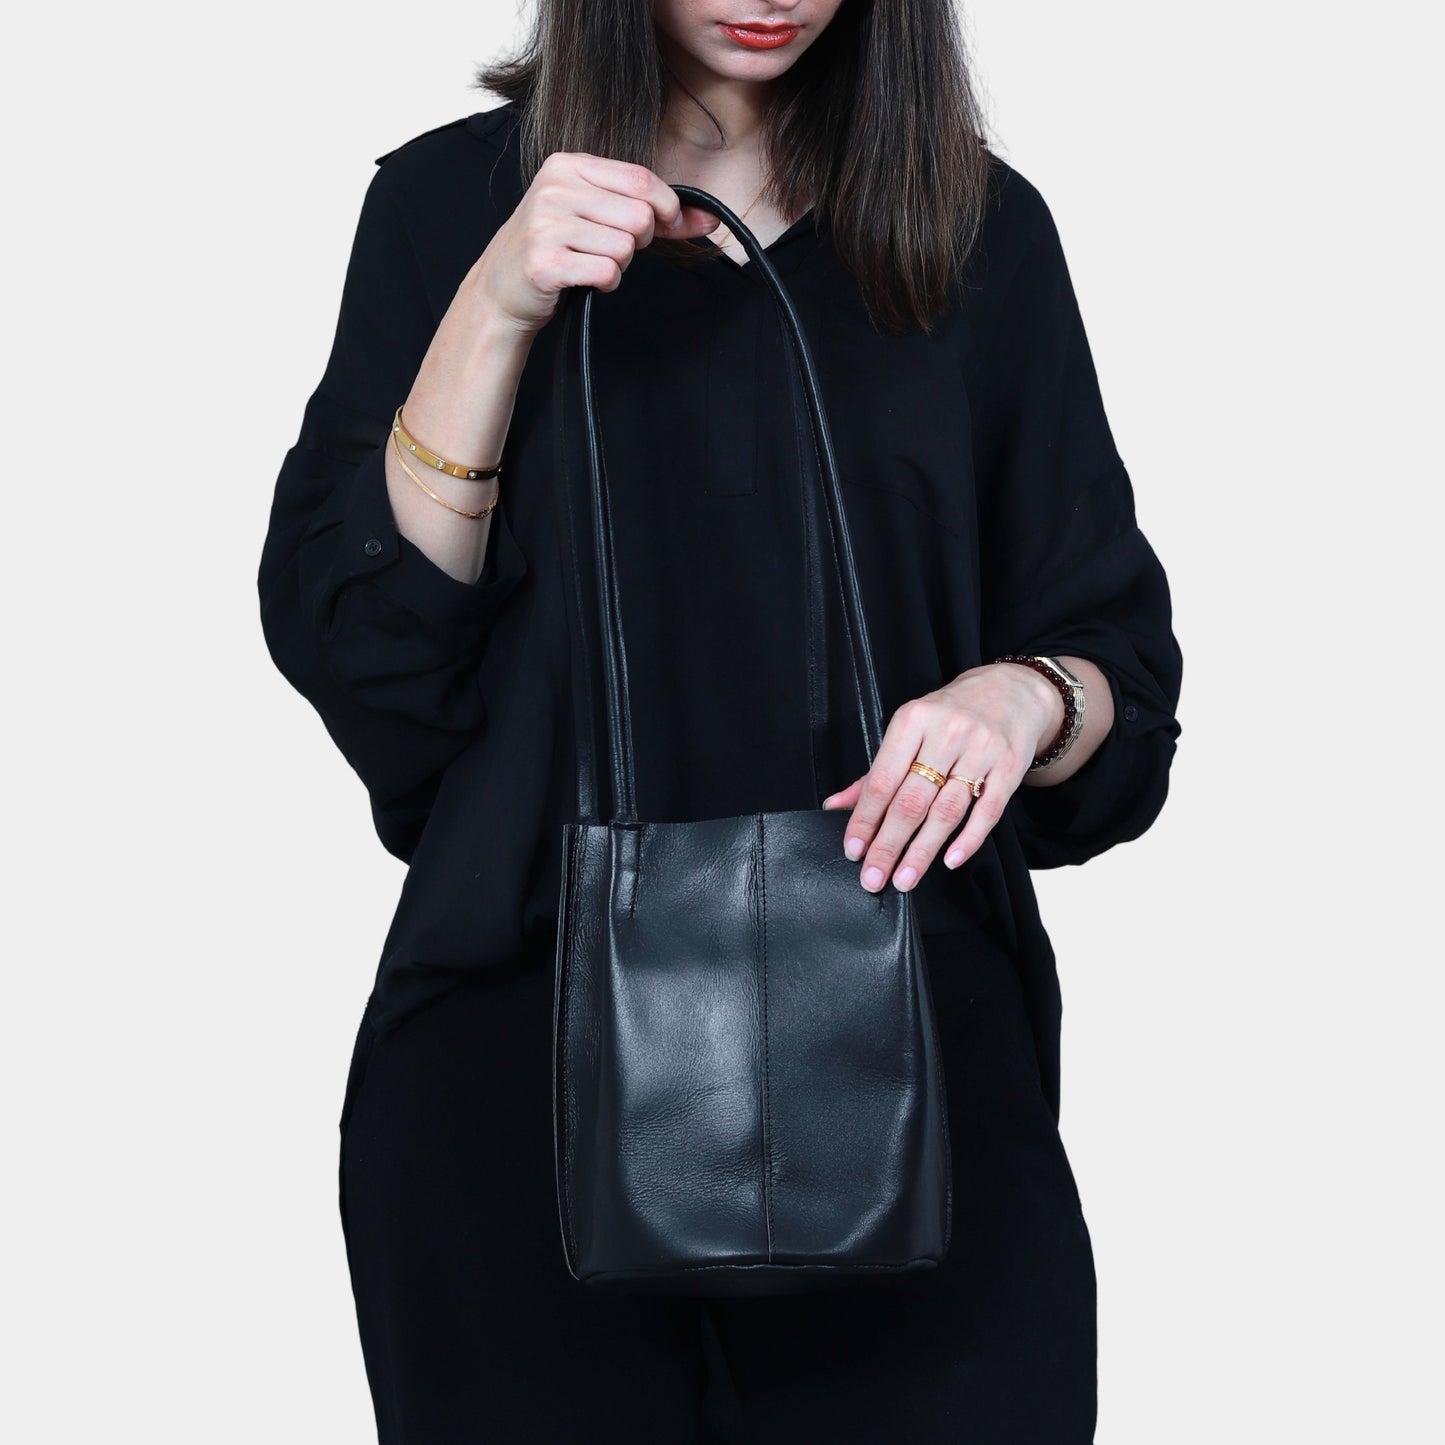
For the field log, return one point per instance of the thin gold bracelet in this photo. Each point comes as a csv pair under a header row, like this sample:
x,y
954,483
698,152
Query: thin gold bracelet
x,y
455,469
460,511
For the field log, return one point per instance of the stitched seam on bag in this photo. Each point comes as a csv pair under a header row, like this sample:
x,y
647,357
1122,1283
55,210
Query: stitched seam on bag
x,y
772,1266
767,1092
939,1091
569,913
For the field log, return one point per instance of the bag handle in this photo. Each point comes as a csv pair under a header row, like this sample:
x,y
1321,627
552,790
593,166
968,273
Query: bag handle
x,y
593,597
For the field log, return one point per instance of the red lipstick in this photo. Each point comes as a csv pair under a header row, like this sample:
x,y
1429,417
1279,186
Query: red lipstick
x,y
761,37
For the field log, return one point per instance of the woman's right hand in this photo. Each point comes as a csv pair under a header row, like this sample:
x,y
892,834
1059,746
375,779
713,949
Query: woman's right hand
x,y
580,223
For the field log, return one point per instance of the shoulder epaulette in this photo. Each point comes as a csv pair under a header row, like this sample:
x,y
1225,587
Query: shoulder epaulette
x,y
447,125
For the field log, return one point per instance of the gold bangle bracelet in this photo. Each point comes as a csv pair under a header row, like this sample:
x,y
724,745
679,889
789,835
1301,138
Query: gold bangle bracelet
x,y
454,469
461,512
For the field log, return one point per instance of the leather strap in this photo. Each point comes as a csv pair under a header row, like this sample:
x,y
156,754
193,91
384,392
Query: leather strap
x,y
594,611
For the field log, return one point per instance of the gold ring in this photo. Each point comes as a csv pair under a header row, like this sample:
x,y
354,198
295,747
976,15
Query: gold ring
x,y
975,785
932,774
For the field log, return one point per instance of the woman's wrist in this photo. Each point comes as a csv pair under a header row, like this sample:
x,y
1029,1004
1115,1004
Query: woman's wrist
x,y
1070,689
1050,701
1092,724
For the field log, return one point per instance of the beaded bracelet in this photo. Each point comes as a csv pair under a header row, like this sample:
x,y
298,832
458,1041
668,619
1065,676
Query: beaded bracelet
x,y
1072,691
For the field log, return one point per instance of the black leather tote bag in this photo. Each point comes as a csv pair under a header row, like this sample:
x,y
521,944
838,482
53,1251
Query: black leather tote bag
x,y
747,1087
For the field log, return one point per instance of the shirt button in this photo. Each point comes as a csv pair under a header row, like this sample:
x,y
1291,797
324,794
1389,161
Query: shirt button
x,y
372,546
1130,711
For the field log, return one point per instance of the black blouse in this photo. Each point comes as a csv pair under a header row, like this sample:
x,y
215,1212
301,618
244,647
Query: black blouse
x,y
988,508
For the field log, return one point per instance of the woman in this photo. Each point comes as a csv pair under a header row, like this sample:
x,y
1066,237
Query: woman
x,y
421,610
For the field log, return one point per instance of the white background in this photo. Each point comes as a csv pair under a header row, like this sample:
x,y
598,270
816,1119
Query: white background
x,y
196,899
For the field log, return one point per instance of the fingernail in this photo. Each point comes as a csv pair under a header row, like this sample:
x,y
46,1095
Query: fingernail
x,y
954,858
905,878
854,848
873,878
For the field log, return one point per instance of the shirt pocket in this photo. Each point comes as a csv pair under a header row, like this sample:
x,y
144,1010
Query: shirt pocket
x,y
898,413
688,387
741,371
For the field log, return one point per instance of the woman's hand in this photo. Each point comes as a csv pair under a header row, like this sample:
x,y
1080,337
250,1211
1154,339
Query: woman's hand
x,y
579,224
988,724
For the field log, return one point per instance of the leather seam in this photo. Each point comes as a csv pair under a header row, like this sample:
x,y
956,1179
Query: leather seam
x,y
767,1092
771,1266
939,1090
565,1032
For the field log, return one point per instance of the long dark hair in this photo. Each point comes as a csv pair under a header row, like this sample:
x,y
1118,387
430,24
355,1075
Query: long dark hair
x,y
876,126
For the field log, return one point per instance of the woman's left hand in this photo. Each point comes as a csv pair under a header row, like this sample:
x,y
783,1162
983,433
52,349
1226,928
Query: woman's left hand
x,y
989,724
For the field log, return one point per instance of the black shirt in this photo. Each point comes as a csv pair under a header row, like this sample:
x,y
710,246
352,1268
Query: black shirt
x,y
988,508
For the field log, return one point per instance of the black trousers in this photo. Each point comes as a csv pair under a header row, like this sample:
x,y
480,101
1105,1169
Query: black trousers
x,y
473,1330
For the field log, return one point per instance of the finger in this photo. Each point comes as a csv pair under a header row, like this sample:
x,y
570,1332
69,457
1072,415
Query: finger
x,y
694,221
950,806
1000,781
630,216
905,816
901,741
847,797
637,199
632,222
913,801
590,238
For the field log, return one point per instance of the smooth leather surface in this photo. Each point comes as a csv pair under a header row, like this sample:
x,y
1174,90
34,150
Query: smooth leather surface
x,y
747,1085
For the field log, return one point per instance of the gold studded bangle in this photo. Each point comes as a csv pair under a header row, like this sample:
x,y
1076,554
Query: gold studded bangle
x,y
460,511
431,459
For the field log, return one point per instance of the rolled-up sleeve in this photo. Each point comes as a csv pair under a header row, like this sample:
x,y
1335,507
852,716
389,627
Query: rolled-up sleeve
x,y
384,644
1065,568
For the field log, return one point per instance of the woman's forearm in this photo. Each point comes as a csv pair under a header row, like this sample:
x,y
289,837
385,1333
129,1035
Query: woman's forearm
x,y
460,407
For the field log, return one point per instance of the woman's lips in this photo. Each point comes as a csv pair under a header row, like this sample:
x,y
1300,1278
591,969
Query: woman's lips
x,y
756,39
